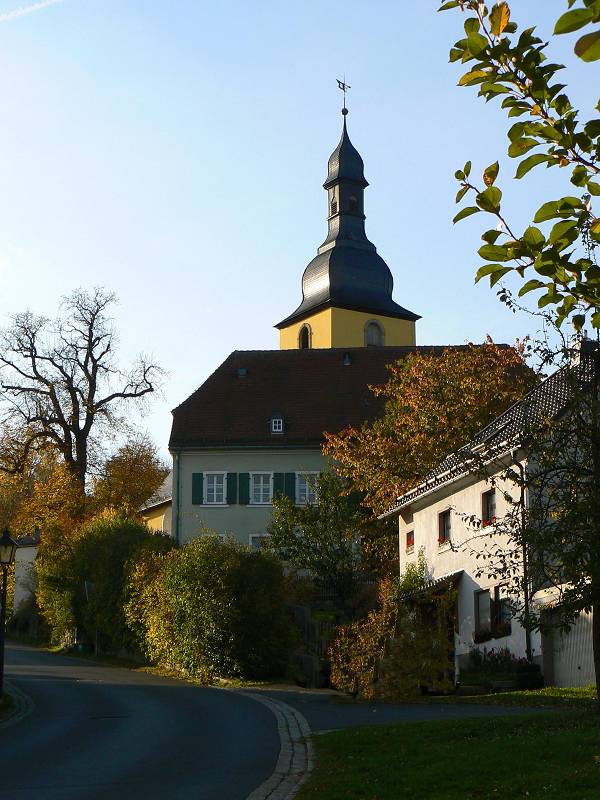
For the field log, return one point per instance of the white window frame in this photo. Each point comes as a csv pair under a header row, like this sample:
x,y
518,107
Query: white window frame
x,y
208,502
262,502
252,537
299,476
277,425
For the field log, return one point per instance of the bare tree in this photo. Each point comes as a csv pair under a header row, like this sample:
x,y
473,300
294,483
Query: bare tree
x,y
60,385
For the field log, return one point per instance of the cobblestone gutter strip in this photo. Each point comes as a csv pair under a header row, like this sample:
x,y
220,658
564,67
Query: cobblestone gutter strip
x,y
22,708
295,756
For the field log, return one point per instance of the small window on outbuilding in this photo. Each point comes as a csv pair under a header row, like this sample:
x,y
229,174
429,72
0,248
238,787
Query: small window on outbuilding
x,y
410,541
304,338
444,527
488,508
373,334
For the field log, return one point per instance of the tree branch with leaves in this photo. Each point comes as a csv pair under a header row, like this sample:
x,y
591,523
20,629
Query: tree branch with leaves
x,y
514,68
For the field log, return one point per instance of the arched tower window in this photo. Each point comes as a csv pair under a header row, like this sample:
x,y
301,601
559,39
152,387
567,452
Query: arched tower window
x,y
304,338
373,334
353,204
333,206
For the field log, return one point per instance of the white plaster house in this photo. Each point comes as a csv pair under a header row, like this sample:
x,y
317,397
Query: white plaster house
x,y
434,518
25,556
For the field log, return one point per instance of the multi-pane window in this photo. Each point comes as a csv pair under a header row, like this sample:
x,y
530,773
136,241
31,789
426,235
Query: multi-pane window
x,y
261,488
214,487
502,612
488,507
444,527
483,615
410,541
306,488
256,541
277,425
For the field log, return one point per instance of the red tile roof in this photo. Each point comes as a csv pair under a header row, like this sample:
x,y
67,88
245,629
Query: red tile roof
x,y
313,390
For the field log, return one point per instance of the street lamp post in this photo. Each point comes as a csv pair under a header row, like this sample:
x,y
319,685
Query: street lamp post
x,y
8,548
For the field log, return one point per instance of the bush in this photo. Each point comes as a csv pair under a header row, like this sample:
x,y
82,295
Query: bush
x,y
212,609
402,647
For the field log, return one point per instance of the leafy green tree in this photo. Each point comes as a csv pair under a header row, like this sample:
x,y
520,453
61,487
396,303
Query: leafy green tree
x,y
335,539
560,259
212,609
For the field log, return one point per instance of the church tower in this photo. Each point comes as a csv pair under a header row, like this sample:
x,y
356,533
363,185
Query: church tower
x,y
347,287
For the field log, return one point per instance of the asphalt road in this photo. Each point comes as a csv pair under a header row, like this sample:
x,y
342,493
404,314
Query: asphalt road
x,y
104,733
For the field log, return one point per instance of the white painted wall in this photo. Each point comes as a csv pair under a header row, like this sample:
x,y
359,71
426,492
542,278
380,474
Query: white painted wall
x,y
461,497
24,574
237,520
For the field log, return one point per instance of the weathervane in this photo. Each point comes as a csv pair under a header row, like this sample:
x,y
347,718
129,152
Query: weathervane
x,y
344,88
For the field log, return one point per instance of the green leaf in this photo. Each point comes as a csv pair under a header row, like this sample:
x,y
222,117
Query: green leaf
x,y
499,18
521,146
533,236
475,76
588,47
595,229
459,175
494,252
489,199
578,321
557,208
529,163
461,193
579,176
498,274
593,188
572,21
490,174
491,236
488,269
449,4
476,43
465,212
530,286
596,319
560,229
467,169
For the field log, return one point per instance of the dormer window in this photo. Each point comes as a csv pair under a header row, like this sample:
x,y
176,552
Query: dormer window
x,y
276,424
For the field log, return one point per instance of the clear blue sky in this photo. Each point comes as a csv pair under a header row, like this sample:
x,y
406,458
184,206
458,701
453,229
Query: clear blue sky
x,y
174,152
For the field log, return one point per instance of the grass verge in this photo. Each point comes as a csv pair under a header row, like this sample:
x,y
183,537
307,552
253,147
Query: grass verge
x,y
553,756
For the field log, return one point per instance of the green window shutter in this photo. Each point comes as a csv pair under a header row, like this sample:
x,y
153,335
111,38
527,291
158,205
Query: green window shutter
x,y
232,481
278,483
290,485
244,488
197,488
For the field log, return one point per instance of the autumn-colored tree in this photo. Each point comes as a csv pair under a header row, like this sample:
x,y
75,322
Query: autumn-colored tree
x,y
130,477
434,403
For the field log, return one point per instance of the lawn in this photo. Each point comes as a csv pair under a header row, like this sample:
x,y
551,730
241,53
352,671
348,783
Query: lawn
x,y
542,756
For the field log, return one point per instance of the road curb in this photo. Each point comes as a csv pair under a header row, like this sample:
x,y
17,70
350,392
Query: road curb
x,y
23,705
295,760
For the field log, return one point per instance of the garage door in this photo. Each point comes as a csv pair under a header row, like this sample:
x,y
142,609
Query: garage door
x,y
573,655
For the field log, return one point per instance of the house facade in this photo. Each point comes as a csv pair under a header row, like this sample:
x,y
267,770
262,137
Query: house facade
x,y
456,518
256,426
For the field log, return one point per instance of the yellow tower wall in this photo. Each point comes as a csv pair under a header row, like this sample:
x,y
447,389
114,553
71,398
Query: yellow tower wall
x,y
342,327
